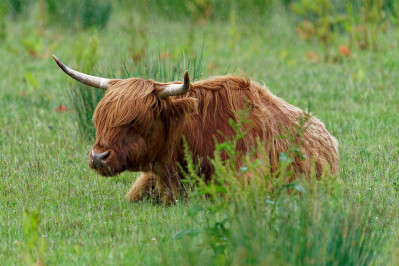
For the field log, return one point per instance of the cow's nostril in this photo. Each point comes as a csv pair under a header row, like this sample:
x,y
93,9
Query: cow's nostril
x,y
103,155
98,158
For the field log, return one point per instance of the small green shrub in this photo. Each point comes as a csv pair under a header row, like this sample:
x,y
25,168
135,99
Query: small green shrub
x,y
320,22
268,220
327,21
34,247
373,22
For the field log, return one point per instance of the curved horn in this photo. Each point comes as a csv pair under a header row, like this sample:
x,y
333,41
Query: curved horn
x,y
176,89
98,82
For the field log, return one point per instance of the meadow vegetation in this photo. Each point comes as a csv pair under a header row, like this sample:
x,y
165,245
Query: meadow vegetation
x,y
336,60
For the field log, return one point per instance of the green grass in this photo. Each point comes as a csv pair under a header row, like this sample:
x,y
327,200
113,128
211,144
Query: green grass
x,y
83,216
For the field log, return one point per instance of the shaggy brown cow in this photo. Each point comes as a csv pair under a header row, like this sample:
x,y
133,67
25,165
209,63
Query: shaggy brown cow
x,y
140,123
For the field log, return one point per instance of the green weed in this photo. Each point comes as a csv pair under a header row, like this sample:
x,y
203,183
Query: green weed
x,y
34,248
266,219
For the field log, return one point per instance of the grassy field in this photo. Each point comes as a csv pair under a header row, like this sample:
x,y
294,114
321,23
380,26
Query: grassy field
x,y
54,208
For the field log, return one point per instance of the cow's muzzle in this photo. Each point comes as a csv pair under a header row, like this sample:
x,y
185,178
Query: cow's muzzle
x,y
99,160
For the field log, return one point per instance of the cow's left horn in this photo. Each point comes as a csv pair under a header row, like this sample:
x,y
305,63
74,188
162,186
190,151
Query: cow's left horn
x,y
98,82
176,89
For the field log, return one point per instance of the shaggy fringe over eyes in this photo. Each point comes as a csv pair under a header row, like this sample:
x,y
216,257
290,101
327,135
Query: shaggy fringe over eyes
x,y
132,103
126,102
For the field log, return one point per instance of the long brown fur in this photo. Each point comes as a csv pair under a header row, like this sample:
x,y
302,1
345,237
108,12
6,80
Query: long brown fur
x,y
139,127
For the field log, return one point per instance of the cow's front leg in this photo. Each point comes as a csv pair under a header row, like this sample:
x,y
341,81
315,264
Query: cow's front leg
x,y
144,187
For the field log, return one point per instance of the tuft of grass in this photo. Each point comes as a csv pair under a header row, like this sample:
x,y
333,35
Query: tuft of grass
x,y
83,98
161,67
34,248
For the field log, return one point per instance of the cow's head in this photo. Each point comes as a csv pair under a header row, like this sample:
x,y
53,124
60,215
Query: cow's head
x,y
137,122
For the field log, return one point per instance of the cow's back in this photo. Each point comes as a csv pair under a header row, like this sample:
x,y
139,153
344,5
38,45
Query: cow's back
x,y
270,117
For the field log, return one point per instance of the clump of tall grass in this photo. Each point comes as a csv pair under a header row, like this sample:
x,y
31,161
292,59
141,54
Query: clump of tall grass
x,y
258,217
83,98
153,65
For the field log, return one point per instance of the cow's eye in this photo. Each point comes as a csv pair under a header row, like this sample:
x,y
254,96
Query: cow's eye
x,y
132,123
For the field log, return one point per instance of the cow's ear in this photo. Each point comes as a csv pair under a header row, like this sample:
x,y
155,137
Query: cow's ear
x,y
177,109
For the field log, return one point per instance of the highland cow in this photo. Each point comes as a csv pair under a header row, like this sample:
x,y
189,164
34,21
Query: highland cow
x,y
140,126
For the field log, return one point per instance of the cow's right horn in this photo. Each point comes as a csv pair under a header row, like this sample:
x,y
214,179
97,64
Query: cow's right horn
x,y
176,89
98,82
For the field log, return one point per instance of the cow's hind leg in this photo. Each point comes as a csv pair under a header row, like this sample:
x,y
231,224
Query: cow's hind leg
x,y
144,187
